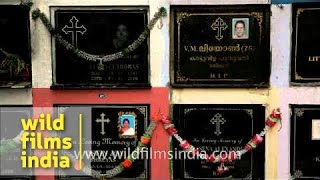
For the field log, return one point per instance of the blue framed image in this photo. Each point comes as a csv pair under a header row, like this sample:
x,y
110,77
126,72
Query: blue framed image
x,y
127,125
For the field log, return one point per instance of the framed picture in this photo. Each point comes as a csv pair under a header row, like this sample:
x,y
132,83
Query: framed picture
x,y
240,28
127,124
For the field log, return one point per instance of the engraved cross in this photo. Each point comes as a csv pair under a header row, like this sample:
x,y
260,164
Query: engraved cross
x,y
218,120
219,25
74,29
102,121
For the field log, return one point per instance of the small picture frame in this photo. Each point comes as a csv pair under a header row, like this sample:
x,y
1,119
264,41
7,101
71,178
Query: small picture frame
x,y
127,126
240,28
315,129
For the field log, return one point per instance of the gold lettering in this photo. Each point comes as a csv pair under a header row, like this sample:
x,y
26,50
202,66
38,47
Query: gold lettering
x,y
225,48
212,48
217,65
206,47
213,76
218,75
191,48
203,58
314,58
237,48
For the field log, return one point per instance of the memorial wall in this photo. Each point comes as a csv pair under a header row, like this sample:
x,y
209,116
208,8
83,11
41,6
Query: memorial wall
x,y
159,78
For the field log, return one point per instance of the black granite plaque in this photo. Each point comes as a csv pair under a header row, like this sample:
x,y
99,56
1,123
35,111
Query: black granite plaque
x,y
220,128
101,32
305,50
305,141
220,46
10,123
14,35
116,130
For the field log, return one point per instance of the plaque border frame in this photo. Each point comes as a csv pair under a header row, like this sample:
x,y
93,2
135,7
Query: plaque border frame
x,y
182,84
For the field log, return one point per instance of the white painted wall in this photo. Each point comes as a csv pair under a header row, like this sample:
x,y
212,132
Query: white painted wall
x,y
10,2
16,96
281,50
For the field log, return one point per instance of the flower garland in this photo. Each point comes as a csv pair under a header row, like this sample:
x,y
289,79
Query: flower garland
x,y
271,121
26,4
127,163
7,146
91,57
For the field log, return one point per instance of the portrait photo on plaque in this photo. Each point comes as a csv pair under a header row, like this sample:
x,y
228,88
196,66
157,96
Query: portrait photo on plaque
x,y
127,126
100,32
220,46
240,28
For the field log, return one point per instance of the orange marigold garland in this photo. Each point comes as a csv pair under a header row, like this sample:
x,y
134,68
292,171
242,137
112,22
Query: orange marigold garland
x,y
126,163
145,139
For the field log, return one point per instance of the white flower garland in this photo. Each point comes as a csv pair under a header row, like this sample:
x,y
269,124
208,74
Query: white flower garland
x,y
92,57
